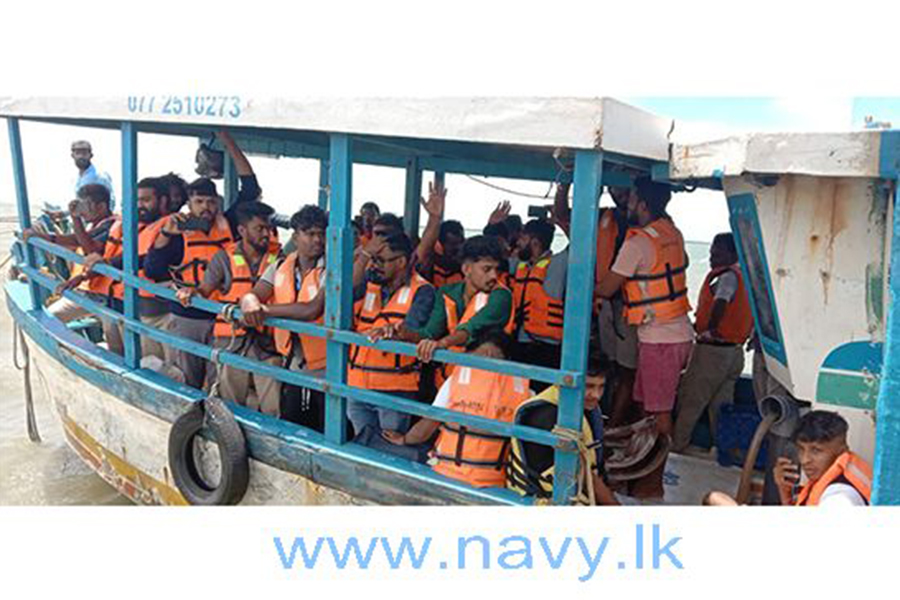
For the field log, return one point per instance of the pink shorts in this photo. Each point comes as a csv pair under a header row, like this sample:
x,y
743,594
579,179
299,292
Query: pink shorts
x,y
658,373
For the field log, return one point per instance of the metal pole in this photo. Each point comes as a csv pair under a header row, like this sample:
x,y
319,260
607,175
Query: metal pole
x,y
338,286
323,184
18,162
231,182
579,304
130,240
413,195
886,484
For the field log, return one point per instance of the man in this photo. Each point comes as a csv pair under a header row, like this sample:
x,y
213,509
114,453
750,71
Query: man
x,y
231,274
836,476
177,192
294,288
531,466
152,195
395,295
88,173
539,286
464,311
92,205
182,251
474,457
723,324
368,214
445,264
618,339
651,272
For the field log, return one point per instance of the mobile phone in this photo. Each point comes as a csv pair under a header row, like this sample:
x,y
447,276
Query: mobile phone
x,y
792,454
193,223
538,212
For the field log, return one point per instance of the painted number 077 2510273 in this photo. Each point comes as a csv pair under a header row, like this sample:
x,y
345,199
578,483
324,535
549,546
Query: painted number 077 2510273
x,y
206,106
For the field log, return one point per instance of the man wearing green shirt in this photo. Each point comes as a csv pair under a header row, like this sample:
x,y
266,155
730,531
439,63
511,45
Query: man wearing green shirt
x,y
463,311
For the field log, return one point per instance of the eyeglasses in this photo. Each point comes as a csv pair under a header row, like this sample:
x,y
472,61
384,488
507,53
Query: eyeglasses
x,y
377,260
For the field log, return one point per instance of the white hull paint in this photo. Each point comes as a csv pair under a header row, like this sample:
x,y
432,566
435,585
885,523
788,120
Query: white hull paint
x,y
128,446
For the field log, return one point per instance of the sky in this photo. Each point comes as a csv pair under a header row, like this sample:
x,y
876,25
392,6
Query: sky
x,y
289,183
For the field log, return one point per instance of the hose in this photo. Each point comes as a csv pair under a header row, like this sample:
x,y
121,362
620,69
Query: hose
x,y
743,491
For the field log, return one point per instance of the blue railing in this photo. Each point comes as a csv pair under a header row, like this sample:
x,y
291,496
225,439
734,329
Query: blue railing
x,y
299,378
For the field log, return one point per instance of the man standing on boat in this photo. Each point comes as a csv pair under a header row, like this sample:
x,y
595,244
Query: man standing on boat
x,y
539,286
88,173
618,339
464,311
395,299
185,246
723,324
231,274
294,288
651,271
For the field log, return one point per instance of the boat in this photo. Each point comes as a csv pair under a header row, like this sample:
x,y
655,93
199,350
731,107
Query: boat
x,y
818,269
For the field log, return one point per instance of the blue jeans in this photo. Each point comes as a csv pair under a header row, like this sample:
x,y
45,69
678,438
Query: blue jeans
x,y
378,419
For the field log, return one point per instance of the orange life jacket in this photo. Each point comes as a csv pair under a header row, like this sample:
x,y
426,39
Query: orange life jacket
x,y
286,292
659,295
609,240
199,248
535,311
848,468
147,233
373,368
476,303
737,322
242,282
477,457
442,275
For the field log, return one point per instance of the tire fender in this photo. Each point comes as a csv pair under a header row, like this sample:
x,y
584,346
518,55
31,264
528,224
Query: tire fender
x,y
213,417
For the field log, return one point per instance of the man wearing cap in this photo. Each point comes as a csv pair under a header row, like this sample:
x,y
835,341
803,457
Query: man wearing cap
x,y
88,173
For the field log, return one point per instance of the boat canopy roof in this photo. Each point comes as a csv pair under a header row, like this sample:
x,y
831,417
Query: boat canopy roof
x,y
849,154
524,131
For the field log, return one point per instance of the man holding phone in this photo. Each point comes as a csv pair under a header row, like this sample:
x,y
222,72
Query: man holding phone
x,y
181,253
835,475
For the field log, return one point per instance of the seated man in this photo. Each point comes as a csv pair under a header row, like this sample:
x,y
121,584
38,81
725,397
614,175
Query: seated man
x,y
835,475
531,466
152,196
232,273
91,206
475,457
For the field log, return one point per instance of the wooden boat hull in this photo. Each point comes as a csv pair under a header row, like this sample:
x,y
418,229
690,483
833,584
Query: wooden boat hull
x,y
118,421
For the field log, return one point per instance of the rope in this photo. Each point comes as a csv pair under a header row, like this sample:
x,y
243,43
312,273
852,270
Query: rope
x,y
585,491
513,192
227,314
30,420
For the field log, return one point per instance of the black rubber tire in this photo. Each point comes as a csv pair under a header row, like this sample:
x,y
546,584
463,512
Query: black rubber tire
x,y
223,431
